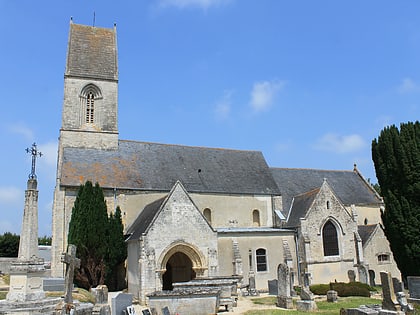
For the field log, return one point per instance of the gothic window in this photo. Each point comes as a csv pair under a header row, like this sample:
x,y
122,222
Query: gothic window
x,y
255,218
330,239
89,97
207,215
261,259
90,100
328,204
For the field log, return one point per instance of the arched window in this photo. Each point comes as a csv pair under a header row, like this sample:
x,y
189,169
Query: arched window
x,y
255,218
330,239
207,214
328,204
89,96
261,259
90,102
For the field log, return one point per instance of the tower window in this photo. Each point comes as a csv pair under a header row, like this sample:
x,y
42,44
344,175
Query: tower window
x,y
90,100
330,239
261,259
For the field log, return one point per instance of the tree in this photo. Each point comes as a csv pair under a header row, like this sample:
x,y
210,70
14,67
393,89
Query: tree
x,y
44,240
117,252
9,245
396,156
88,231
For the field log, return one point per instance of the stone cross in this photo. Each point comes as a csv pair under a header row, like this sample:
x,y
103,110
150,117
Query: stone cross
x,y
71,262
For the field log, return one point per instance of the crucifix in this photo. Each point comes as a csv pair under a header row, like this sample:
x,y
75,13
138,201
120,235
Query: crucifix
x,y
34,152
71,262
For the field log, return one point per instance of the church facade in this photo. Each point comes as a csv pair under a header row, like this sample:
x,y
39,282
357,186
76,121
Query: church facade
x,y
192,212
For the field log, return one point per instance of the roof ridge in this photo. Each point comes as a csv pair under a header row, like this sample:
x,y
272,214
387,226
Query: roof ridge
x,y
189,146
310,169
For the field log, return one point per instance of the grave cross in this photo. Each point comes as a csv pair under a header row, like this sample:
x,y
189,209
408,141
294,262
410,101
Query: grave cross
x,y
71,262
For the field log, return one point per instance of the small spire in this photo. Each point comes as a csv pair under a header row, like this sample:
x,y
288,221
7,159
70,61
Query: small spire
x,y
354,167
71,20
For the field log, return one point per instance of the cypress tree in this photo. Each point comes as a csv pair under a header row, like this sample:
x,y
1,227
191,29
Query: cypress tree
x,y
88,230
396,156
117,252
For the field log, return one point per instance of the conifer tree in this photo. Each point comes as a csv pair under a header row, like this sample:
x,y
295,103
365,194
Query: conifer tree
x,y
88,231
117,252
396,156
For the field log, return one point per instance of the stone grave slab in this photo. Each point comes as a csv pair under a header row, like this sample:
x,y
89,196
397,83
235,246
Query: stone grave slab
x,y
120,302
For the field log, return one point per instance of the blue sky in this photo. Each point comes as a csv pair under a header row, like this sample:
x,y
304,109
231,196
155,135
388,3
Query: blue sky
x,y
308,83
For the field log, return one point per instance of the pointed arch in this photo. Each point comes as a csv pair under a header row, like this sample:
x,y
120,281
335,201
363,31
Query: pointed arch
x,y
330,239
88,95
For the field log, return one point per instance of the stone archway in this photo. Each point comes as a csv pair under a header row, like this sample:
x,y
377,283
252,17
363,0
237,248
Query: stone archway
x,y
181,263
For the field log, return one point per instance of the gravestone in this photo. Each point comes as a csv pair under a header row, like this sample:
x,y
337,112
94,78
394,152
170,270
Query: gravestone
x,y
414,288
165,311
363,274
397,284
352,275
306,302
284,298
332,296
389,300
101,300
146,312
251,288
273,287
120,302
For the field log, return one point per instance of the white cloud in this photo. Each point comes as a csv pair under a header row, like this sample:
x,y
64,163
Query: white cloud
x,y
408,85
340,144
182,4
49,153
263,94
10,195
223,106
23,130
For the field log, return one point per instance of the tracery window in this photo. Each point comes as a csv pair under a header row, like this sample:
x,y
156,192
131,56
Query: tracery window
x,y
261,259
90,102
330,239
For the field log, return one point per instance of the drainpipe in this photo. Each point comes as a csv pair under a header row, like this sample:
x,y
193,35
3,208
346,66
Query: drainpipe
x,y
297,255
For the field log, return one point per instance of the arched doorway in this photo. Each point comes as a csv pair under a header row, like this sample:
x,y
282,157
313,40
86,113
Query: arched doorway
x,y
179,268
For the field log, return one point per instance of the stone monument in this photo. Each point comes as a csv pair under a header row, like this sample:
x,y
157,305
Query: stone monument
x,y
284,298
26,294
307,300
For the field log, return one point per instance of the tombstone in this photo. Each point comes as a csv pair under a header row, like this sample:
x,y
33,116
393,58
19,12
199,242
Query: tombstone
x,y
332,296
363,274
120,302
146,312
306,302
352,275
284,298
402,300
389,300
165,311
414,288
101,300
251,288
273,287
397,284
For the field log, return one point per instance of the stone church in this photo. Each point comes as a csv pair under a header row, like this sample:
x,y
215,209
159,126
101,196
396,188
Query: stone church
x,y
192,212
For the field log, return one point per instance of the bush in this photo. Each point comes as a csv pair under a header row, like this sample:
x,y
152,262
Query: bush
x,y
343,289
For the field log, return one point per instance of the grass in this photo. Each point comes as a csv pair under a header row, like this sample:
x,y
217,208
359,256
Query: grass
x,y
324,307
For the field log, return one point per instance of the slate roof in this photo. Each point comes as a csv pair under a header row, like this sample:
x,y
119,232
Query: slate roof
x,y
156,167
365,231
92,52
349,186
300,207
143,220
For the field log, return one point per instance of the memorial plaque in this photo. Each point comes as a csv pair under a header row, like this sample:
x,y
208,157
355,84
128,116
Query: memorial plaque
x,y
414,287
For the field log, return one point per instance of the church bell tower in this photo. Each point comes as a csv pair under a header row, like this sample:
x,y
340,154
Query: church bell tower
x,y
90,89
89,114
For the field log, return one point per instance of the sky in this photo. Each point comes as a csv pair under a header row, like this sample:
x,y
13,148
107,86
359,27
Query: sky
x,y
308,83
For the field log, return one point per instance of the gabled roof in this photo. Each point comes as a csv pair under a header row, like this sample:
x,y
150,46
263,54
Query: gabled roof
x,y
366,232
143,220
300,207
92,52
152,166
349,186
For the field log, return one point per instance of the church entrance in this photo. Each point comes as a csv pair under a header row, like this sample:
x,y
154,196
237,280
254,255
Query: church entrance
x,y
179,268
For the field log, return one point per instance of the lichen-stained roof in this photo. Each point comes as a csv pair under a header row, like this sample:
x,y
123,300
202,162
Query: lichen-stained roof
x,y
300,206
152,166
92,52
349,186
366,231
